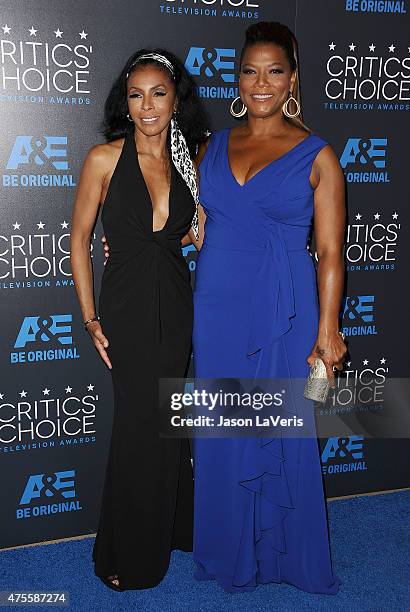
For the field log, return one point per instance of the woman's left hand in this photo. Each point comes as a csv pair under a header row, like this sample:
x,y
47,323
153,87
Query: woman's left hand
x,y
331,348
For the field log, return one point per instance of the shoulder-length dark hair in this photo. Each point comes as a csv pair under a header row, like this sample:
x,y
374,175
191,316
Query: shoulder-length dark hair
x,y
191,115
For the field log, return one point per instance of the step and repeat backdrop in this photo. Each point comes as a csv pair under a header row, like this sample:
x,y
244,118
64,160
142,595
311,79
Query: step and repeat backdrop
x,y
58,61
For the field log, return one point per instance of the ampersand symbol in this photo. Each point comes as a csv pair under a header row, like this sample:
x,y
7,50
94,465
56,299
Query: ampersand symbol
x,y
351,310
37,155
44,324
48,481
209,56
364,146
342,446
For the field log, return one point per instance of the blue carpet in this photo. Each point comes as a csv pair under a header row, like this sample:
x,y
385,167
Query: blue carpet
x,y
370,554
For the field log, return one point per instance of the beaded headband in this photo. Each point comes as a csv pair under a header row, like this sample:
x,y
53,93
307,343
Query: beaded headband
x,y
153,56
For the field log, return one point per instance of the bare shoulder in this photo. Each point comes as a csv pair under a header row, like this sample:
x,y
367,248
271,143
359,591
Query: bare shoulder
x,y
103,157
327,159
326,169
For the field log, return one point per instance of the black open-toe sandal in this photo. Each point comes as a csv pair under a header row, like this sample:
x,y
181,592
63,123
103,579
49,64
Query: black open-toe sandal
x,y
109,582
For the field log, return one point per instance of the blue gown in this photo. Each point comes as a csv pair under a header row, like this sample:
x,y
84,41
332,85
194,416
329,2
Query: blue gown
x,y
260,512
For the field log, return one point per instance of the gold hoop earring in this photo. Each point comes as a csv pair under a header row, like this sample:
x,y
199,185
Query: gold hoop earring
x,y
241,112
285,107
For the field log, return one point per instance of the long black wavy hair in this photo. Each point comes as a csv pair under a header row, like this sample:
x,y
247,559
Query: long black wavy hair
x,y
190,115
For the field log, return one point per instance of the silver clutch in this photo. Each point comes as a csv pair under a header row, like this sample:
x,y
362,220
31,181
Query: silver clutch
x,y
317,384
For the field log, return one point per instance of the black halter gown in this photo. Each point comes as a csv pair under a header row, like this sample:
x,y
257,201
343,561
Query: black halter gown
x,y
146,313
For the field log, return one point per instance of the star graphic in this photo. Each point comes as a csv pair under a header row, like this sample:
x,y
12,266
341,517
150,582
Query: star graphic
x,y
90,388
23,393
358,216
40,225
64,224
32,31
6,29
58,33
83,34
377,216
395,215
383,360
46,391
352,47
408,49
348,363
332,46
372,47
16,225
1,396
68,389
392,48
365,361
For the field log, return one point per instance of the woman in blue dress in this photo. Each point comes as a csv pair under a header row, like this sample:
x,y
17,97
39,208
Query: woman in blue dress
x,y
260,512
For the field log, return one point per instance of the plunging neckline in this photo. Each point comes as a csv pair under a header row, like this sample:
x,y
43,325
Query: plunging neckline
x,y
277,159
148,193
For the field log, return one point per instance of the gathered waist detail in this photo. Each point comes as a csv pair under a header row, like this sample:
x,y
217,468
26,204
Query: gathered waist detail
x,y
217,237
158,240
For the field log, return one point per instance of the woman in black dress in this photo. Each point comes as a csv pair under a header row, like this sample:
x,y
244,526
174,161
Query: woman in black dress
x,y
146,183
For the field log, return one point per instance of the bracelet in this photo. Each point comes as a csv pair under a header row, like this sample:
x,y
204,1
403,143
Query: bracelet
x,y
96,318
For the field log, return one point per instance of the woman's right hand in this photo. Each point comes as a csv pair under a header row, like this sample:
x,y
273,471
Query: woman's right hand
x,y
106,248
100,341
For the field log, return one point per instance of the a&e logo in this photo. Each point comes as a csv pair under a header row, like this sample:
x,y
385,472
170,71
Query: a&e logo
x,y
46,494
368,158
213,63
343,454
358,316
45,155
189,252
54,330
